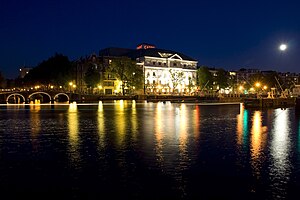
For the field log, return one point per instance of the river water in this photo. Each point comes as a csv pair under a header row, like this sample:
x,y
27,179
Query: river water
x,y
139,150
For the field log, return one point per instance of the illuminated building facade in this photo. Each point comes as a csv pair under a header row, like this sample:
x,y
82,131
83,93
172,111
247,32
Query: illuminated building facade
x,y
165,71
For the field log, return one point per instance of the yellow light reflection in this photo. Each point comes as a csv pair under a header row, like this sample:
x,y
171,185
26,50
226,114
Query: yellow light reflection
x,y
183,135
120,121
240,120
159,133
35,107
134,120
133,104
100,106
73,128
196,123
101,124
258,139
183,129
35,124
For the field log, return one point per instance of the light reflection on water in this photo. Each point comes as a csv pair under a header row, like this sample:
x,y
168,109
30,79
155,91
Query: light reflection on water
x,y
73,134
120,122
280,168
101,125
134,121
182,147
159,136
258,141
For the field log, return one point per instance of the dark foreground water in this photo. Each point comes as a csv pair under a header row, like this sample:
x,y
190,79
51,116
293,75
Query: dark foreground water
x,y
130,150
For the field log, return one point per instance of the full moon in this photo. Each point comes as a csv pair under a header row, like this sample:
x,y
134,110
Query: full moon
x,y
282,47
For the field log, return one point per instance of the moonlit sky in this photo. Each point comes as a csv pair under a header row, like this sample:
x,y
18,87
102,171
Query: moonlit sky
x,y
223,34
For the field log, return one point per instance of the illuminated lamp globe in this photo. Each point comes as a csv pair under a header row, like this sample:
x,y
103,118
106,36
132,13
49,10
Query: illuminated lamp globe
x,y
282,47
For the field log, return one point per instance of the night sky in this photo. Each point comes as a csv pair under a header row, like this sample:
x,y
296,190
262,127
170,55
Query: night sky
x,y
222,34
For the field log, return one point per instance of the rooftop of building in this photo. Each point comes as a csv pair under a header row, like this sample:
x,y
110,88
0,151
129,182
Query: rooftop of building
x,y
142,52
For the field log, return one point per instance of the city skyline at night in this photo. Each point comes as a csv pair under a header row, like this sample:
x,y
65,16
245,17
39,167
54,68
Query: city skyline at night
x,y
229,35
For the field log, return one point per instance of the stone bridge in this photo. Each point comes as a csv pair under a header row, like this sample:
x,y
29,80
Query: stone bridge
x,y
36,97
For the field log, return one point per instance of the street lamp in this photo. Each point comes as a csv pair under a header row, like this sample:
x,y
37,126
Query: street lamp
x,y
265,87
241,88
100,88
258,86
71,85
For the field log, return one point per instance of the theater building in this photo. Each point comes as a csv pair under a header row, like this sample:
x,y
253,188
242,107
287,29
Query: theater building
x,y
165,71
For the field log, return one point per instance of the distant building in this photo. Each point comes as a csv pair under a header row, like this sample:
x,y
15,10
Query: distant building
x,y
243,75
289,79
23,71
159,65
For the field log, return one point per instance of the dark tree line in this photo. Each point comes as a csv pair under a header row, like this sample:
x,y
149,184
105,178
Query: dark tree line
x,y
56,70
206,80
2,80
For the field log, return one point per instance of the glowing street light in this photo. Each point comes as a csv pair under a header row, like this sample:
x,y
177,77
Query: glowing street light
x,y
282,47
265,87
71,85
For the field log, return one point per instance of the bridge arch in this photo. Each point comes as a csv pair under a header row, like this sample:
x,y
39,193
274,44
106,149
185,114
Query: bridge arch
x,y
45,93
15,94
64,94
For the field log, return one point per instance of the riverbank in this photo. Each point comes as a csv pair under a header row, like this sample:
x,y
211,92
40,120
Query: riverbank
x,y
157,98
269,102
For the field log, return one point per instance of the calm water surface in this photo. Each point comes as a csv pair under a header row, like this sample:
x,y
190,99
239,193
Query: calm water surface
x,y
131,150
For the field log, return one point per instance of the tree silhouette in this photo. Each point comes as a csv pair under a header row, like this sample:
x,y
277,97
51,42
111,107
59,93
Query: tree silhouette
x,y
204,77
92,76
126,70
2,80
55,70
